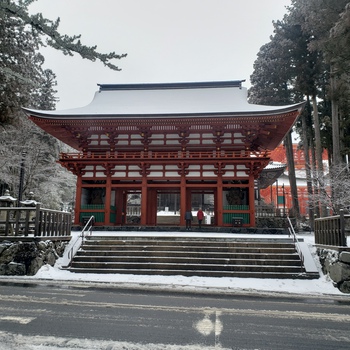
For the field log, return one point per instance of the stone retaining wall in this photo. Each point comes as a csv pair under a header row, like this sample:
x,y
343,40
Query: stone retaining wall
x,y
26,258
271,222
337,266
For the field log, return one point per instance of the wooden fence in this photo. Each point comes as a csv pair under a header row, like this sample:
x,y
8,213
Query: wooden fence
x,y
332,230
268,210
37,221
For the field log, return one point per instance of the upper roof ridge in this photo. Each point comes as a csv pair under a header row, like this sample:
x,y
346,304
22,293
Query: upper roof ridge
x,y
179,85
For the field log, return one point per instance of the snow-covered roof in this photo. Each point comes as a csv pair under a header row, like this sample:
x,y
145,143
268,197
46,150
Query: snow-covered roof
x,y
270,173
275,165
180,99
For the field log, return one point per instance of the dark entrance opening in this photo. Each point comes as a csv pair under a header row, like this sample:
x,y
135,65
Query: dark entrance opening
x,y
204,199
168,207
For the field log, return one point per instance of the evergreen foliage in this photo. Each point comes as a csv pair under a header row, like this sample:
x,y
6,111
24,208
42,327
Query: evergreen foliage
x,y
24,82
308,57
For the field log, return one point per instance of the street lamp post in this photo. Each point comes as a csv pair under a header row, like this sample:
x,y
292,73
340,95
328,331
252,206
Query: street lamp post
x,y
21,177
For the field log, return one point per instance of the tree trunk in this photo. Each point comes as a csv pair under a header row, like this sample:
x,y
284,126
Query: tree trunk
x,y
319,151
316,192
335,121
308,170
335,127
291,174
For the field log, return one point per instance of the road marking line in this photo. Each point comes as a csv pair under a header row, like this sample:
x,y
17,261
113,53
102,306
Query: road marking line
x,y
218,327
21,320
333,317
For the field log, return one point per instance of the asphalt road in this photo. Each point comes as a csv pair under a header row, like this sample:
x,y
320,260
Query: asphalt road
x,y
63,316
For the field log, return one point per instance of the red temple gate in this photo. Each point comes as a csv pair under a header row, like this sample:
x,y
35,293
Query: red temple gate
x,y
183,139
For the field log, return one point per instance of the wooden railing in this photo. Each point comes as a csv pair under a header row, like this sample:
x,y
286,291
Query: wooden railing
x,y
268,210
37,221
332,230
165,155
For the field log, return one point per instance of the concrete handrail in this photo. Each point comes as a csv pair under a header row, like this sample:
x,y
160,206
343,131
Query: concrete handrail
x,y
296,242
80,239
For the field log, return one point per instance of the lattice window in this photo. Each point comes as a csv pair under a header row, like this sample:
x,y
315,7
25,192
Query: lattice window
x,y
98,140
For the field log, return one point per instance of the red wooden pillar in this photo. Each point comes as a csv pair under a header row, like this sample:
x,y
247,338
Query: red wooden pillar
x,y
183,200
77,207
120,206
144,201
152,206
251,191
219,202
108,201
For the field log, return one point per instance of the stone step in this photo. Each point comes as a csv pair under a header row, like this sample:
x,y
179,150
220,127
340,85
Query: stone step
x,y
200,273
159,266
184,260
243,271
170,253
190,248
193,242
190,256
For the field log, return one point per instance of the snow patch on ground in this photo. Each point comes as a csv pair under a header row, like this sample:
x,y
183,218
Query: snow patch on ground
x,y
320,286
24,342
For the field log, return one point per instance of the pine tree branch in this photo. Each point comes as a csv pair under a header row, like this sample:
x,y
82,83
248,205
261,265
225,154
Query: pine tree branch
x,y
67,44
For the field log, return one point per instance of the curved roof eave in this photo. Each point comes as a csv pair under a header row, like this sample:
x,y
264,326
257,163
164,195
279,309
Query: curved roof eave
x,y
79,113
179,100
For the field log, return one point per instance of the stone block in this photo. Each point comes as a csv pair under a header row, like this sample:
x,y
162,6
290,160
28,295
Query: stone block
x,y
8,254
42,246
12,269
344,257
339,272
35,266
50,258
23,258
3,247
345,287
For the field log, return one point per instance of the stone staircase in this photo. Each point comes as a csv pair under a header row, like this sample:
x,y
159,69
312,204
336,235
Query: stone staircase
x,y
190,256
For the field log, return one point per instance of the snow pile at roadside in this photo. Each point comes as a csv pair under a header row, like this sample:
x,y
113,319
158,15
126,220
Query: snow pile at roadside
x,y
320,286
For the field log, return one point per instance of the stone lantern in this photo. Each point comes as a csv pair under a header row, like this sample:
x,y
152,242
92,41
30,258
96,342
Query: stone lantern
x,y
30,202
6,201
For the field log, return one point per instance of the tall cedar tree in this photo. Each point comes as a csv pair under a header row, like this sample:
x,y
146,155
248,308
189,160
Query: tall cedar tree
x,y
271,84
315,35
327,23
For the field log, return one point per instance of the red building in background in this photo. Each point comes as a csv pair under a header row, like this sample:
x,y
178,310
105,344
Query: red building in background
x,y
279,193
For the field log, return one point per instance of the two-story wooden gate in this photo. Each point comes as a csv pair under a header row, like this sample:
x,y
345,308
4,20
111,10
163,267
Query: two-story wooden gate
x,y
179,138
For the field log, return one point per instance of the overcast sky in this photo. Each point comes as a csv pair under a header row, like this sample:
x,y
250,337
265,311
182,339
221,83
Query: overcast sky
x,y
166,41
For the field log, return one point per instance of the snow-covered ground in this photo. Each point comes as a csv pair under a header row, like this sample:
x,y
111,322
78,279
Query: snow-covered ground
x,y
322,286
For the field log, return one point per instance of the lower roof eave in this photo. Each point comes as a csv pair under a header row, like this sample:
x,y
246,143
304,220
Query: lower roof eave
x,y
60,115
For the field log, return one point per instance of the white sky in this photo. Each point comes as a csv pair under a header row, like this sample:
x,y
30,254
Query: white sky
x,y
166,41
